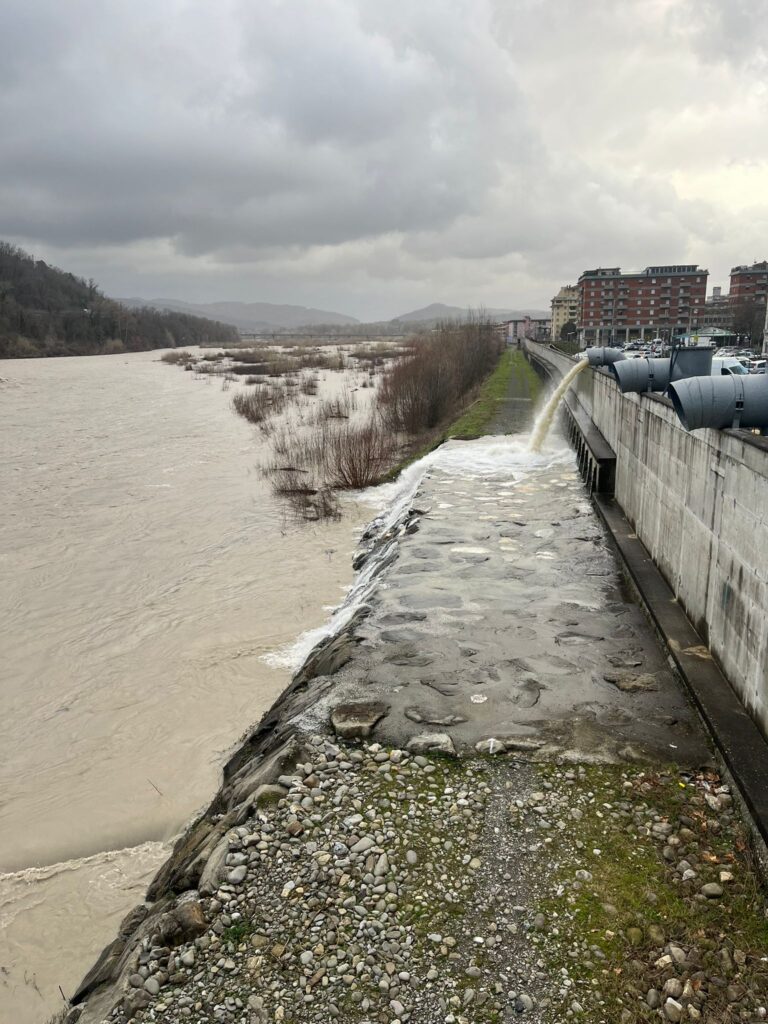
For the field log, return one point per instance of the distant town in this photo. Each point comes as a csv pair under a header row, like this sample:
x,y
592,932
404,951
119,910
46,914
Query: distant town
x,y
661,304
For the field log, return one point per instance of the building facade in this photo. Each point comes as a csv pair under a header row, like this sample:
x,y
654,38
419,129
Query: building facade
x,y
750,283
749,299
661,301
565,309
718,311
528,327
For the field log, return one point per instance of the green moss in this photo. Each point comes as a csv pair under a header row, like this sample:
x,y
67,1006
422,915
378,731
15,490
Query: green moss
x,y
238,932
629,867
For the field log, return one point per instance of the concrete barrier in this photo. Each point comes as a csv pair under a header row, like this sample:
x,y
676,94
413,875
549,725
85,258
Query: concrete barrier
x,y
699,504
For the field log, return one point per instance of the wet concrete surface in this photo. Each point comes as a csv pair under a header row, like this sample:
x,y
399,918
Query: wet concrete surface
x,y
505,616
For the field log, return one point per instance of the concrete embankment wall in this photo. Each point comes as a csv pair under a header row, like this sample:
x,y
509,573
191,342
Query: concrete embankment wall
x,y
699,503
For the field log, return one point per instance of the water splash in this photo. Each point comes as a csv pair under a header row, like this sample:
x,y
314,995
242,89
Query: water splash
x,y
508,459
547,414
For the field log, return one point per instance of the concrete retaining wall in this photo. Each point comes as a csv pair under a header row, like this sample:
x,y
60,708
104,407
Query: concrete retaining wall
x,y
699,503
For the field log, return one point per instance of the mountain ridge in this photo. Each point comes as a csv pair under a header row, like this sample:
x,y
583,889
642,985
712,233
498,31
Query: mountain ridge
x,y
442,311
248,316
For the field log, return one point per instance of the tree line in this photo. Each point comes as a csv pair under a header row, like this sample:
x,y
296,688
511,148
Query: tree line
x,y
45,311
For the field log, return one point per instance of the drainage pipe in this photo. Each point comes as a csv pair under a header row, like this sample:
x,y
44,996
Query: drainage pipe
x,y
604,356
646,374
733,400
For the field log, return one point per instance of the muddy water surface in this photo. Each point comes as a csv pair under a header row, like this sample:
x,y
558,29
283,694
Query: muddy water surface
x,y
145,570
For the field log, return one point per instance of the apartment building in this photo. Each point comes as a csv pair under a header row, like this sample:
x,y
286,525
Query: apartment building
x,y
750,284
664,301
565,309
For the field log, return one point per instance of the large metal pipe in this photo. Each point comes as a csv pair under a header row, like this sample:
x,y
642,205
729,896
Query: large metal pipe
x,y
720,402
646,374
604,356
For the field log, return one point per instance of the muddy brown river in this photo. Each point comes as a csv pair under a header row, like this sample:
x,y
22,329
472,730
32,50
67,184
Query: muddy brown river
x,y
145,572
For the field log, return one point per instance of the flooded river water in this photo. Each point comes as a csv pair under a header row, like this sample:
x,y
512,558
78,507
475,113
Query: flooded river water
x,y
145,571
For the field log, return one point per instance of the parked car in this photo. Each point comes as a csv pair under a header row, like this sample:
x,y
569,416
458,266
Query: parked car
x,y
726,365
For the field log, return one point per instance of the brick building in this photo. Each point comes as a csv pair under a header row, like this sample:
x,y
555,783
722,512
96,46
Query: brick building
x,y
750,283
749,298
661,301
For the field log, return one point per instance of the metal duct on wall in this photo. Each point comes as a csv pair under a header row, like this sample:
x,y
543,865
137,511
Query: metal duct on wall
x,y
604,356
646,374
720,402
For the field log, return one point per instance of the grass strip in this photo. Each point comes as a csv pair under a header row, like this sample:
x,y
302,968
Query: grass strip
x,y
513,375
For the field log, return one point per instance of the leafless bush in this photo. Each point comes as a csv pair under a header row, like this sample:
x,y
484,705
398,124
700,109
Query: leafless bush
x,y
178,355
309,384
258,404
312,359
336,454
357,456
339,408
427,384
248,369
376,354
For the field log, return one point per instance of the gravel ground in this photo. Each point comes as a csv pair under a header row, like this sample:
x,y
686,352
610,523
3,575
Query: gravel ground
x,y
375,885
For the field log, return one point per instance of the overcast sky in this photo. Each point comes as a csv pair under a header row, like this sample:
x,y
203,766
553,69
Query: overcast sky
x,y
370,157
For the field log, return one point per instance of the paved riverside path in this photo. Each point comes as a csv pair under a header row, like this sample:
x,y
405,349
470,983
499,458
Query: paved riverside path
x,y
504,617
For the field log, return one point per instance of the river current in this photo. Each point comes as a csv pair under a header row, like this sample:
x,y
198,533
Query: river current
x,y
145,574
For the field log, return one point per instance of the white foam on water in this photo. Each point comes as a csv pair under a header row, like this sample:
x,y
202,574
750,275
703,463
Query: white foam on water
x,y
506,458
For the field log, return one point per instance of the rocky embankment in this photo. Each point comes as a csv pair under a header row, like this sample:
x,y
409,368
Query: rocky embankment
x,y
375,884
463,809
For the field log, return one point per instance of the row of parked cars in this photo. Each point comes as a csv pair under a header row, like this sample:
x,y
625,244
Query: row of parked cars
x,y
725,360
746,358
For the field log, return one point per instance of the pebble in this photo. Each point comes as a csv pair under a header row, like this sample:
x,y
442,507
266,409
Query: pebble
x,y
712,890
328,877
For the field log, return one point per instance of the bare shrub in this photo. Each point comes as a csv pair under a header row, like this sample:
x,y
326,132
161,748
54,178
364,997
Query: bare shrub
x,y
309,384
178,355
357,456
258,404
427,384
339,408
341,455
375,354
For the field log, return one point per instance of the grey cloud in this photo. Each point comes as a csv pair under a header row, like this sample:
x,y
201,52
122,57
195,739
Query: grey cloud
x,y
353,145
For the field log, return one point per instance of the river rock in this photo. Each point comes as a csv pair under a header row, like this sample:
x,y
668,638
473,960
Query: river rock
x,y
357,719
432,743
630,682
190,919
490,746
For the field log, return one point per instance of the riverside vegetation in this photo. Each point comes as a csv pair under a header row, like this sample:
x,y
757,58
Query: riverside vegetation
x,y
396,402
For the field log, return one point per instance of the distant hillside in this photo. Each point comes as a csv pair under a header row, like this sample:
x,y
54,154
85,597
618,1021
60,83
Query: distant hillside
x,y
48,312
440,311
250,316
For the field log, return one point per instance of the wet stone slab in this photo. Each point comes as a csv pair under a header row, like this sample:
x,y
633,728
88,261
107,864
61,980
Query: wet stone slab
x,y
505,616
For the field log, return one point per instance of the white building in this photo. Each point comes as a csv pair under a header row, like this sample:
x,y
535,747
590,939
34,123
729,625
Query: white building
x,y
565,308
